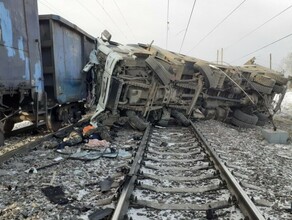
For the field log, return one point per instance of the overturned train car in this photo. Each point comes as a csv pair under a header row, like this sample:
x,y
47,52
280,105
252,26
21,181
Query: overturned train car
x,y
41,78
145,82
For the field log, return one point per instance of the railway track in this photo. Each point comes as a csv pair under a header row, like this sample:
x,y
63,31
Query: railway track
x,y
263,170
176,175
173,174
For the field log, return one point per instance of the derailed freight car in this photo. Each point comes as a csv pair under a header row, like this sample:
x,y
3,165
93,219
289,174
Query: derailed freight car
x,y
65,50
21,79
148,82
41,78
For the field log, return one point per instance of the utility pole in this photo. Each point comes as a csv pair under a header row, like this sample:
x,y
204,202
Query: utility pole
x,y
270,61
217,56
222,56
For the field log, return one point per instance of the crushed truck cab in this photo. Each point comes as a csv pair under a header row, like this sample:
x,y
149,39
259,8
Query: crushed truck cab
x,y
154,84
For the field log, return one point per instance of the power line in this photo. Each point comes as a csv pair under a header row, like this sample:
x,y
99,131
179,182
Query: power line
x,y
255,29
267,45
178,33
224,19
94,15
100,5
49,6
188,25
120,11
167,23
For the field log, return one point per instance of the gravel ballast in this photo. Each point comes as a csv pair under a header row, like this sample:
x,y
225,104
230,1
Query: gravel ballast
x,y
264,170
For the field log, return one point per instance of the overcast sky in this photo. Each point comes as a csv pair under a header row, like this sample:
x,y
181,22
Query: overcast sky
x,y
133,21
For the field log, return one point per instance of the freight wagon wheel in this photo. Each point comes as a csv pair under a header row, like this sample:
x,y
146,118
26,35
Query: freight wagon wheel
x,y
8,126
53,123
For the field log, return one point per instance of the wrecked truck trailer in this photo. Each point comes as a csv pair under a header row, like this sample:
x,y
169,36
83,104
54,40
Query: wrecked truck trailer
x,y
147,83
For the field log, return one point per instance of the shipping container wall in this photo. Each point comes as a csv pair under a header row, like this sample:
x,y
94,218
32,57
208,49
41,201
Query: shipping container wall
x,y
65,51
20,63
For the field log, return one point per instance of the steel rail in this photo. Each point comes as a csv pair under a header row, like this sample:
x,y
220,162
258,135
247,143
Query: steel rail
x,y
247,207
26,147
123,203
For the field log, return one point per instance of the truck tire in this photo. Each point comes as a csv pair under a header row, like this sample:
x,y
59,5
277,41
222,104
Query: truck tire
x,y
264,80
163,123
263,119
261,88
137,123
180,117
261,123
122,120
241,124
244,117
278,89
262,116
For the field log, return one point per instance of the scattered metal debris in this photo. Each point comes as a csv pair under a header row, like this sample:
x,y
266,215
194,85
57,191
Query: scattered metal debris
x,y
70,182
55,194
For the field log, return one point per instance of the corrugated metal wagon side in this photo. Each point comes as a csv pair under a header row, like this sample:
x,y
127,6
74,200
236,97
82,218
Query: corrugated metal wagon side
x,y
21,79
65,50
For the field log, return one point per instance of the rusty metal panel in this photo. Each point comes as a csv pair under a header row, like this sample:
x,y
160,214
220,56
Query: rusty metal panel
x,y
65,50
19,46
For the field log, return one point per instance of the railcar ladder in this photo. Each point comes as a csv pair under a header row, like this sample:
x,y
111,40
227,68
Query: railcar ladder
x,y
41,111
